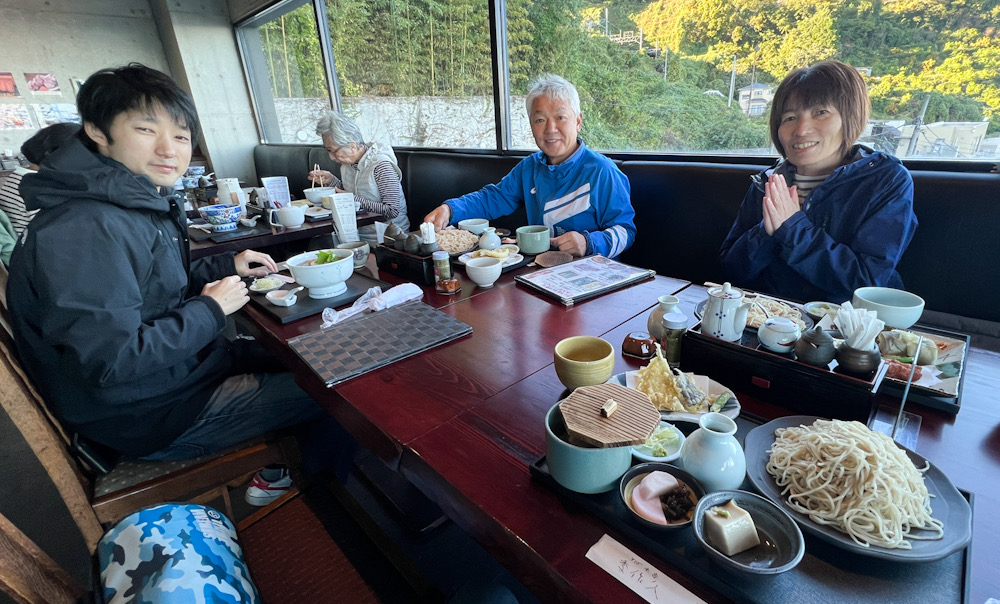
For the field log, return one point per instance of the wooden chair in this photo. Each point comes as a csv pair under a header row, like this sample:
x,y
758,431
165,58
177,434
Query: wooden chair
x,y
98,501
28,574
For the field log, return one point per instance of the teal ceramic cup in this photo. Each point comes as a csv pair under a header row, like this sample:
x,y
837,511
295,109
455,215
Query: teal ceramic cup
x,y
581,469
533,239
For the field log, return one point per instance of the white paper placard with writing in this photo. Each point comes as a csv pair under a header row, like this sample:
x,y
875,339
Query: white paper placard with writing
x,y
638,575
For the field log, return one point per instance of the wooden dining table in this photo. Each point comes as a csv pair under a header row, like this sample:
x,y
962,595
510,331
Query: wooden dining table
x,y
464,423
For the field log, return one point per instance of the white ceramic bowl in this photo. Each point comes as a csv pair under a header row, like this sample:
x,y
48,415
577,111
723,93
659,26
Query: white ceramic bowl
x,y
895,307
643,453
474,225
323,280
315,194
817,310
484,271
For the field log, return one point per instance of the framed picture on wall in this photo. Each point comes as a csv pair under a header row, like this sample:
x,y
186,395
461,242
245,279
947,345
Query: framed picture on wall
x,y
42,83
8,87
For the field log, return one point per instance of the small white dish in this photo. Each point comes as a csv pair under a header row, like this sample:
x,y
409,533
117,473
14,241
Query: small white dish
x,y
249,222
318,212
509,261
645,453
283,297
262,285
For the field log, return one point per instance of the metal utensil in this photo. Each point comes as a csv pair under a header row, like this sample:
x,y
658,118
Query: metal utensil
x,y
906,390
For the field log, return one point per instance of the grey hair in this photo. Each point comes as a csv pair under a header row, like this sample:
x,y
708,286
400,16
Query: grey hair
x,y
341,129
556,88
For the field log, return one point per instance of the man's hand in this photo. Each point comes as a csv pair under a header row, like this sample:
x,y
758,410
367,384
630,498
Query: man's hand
x,y
780,203
441,216
230,293
244,258
320,176
573,242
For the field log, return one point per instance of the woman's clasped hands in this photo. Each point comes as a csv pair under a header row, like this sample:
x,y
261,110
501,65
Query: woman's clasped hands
x,y
780,202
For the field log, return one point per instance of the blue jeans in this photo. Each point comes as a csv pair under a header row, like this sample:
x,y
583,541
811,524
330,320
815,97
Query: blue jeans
x,y
242,407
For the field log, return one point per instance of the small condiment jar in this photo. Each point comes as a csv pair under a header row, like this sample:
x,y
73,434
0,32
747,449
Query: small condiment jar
x,y
674,326
778,334
444,281
815,347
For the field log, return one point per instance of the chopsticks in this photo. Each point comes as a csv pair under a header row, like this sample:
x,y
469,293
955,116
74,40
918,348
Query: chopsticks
x,y
313,179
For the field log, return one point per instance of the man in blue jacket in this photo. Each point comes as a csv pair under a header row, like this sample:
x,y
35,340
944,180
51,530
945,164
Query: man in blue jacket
x,y
579,194
117,327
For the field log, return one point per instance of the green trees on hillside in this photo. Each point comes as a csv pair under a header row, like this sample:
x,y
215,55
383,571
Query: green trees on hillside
x,y
413,48
914,47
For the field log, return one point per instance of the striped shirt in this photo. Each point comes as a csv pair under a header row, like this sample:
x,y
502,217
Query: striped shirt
x,y
805,184
11,202
388,186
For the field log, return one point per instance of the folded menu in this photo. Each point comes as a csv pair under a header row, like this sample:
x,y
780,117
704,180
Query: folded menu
x,y
361,344
584,278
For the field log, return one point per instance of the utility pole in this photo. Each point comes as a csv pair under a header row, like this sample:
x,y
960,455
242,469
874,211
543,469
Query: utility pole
x,y
666,53
605,22
732,83
917,125
753,79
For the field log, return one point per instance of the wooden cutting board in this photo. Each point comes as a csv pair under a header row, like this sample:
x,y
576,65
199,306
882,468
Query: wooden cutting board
x,y
633,420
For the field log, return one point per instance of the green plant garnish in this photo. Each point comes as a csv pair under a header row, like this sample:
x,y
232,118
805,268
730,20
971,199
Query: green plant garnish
x,y
325,257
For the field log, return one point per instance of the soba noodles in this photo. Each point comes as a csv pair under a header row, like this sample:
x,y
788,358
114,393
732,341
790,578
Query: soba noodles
x,y
843,475
763,308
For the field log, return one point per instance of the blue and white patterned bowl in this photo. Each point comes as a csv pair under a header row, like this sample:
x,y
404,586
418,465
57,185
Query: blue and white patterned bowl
x,y
222,217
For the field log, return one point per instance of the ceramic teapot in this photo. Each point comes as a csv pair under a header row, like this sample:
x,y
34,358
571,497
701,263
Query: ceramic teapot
x,y
725,314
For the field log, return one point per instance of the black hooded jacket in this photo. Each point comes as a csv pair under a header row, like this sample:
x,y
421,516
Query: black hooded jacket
x,y
106,309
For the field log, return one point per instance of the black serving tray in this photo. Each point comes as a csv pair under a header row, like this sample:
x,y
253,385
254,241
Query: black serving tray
x,y
781,379
826,574
357,285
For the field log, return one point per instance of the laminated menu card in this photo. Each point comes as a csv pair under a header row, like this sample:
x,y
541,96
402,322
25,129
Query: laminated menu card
x,y
366,342
584,278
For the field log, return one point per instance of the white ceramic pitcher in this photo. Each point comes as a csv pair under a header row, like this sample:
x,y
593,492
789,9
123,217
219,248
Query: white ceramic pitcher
x,y
725,315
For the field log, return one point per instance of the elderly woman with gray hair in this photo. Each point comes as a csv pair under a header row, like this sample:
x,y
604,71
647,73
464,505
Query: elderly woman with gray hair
x,y
369,170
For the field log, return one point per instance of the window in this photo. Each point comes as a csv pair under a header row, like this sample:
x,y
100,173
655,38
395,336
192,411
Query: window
x,y
286,72
413,74
676,76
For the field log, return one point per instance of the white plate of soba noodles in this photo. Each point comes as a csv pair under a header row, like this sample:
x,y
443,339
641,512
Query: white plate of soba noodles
x,y
857,489
764,308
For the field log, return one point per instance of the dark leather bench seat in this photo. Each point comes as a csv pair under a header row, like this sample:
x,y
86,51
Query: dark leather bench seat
x,y
684,211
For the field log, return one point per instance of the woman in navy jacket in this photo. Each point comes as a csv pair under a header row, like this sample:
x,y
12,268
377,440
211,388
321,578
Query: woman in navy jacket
x,y
831,216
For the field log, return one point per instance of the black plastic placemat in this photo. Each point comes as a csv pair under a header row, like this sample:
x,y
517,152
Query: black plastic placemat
x,y
826,574
240,233
363,343
357,285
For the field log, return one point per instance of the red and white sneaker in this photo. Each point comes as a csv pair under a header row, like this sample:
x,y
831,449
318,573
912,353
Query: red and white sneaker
x,y
261,492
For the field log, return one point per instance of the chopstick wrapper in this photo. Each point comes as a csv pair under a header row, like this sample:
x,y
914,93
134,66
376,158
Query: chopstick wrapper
x,y
373,300
859,326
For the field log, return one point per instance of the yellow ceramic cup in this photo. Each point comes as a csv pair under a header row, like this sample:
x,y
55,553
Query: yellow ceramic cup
x,y
583,361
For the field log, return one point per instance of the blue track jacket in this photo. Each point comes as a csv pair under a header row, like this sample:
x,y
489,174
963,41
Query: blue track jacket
x,y
851,233
586,193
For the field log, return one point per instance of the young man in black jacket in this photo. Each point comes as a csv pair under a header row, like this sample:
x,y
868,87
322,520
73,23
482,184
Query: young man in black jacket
x,y
114,323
